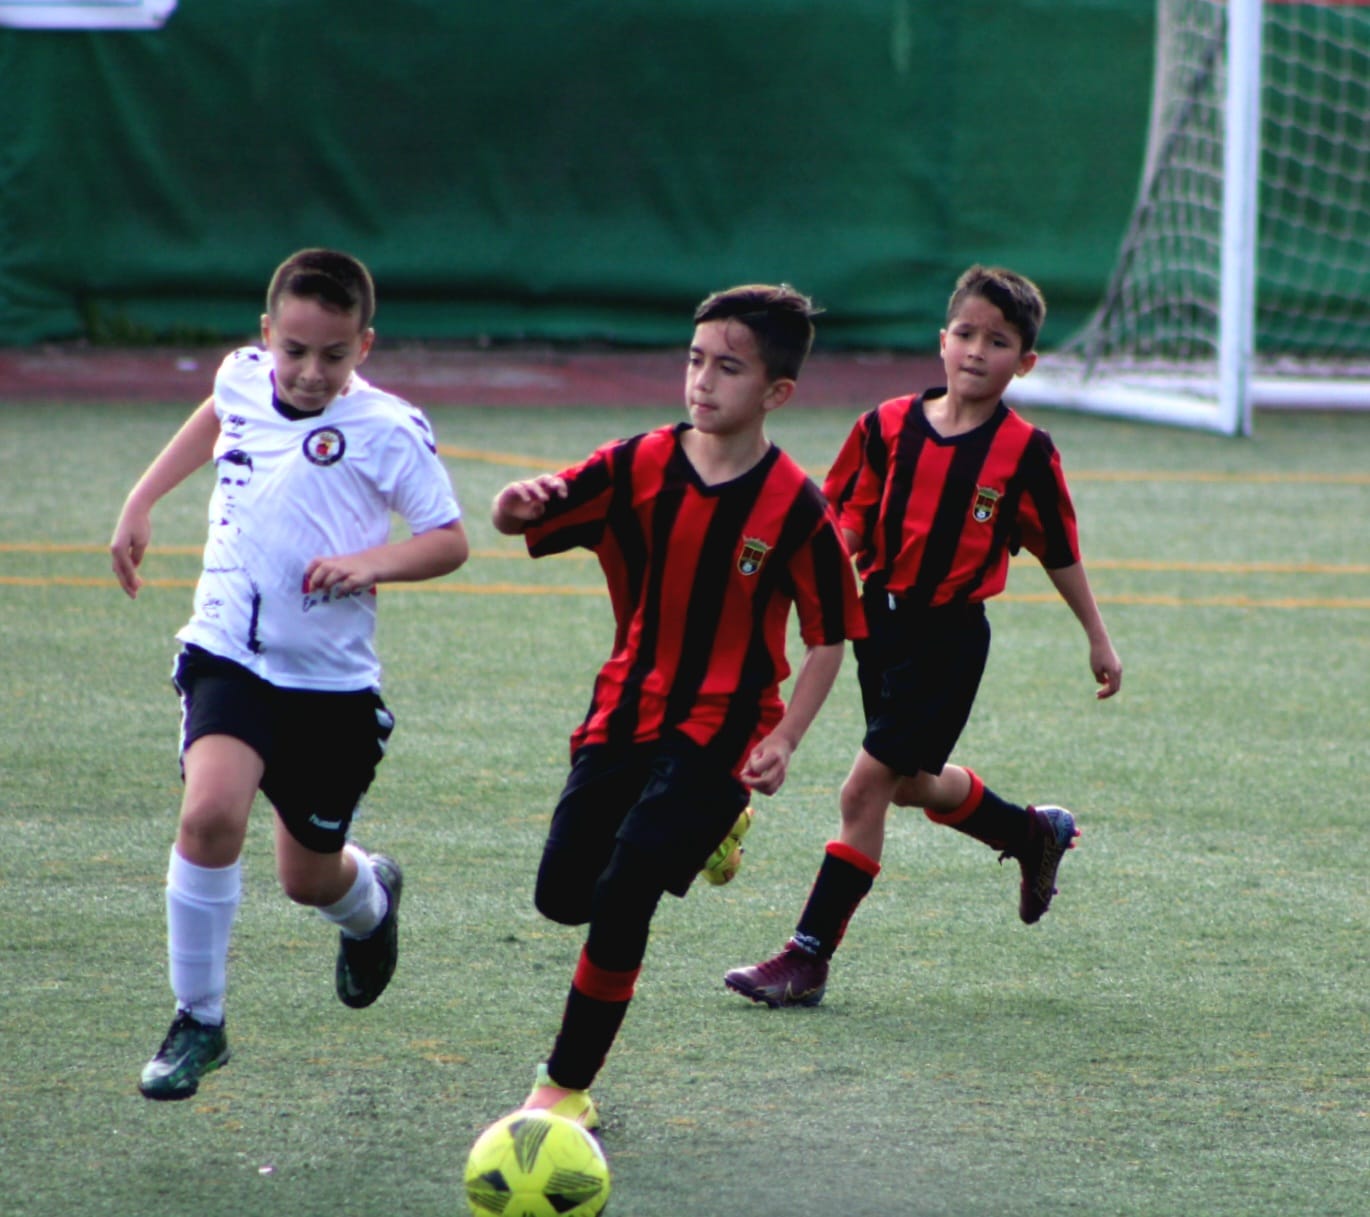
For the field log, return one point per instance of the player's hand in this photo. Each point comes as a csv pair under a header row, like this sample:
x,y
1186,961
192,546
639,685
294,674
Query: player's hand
x,y
127,547
1107,669
527,500
767,765
341,576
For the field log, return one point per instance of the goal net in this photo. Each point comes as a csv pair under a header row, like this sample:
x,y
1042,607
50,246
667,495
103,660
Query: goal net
x,y
1244,276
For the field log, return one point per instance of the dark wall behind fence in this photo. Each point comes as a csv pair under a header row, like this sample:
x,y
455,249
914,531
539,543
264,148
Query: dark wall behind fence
x,y
568,169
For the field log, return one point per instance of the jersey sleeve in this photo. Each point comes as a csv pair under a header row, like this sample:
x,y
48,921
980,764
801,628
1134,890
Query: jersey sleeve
x,y
1046,525
827,596
854,483
237,373
417,484
578,520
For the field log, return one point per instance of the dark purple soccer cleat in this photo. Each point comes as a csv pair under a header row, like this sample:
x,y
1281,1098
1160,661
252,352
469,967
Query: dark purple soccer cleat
x,y
1053,832
795,977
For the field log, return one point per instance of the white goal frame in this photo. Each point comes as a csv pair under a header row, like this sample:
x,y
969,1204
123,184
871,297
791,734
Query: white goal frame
x,y
1217,394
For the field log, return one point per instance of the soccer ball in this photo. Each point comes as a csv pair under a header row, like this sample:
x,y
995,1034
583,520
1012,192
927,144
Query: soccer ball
x,y
536,1164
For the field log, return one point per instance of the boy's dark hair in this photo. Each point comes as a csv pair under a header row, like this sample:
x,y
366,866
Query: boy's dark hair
x,y
336,280
779,316
1016,296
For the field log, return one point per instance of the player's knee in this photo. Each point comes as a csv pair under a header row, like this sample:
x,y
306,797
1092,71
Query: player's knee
x,y
563,893
911,791
631,884
626,898
209,833
863,802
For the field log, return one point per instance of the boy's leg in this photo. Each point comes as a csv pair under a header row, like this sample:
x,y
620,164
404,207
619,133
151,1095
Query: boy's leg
x,y
684,804
355,891
367,917
360,894
798,975
919,671
602,786
625,901
595,1007
202,895
1036,837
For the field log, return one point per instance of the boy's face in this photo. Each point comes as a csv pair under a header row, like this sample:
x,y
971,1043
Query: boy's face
x,y
315,350
982,353
727,387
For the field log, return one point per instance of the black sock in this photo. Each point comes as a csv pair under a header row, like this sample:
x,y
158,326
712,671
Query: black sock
x,y
985,816
588,1030
844,878
595,1007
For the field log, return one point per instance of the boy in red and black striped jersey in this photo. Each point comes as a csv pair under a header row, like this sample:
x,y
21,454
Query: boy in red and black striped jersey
x,y
708,535
934,493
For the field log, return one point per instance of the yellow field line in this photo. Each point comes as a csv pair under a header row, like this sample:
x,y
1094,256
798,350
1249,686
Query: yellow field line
x,y
511,553
1162,601
528,589
1255,479
1225,568
514,459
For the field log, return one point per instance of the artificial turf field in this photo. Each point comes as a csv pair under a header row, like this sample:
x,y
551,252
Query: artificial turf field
x,y
1184,1033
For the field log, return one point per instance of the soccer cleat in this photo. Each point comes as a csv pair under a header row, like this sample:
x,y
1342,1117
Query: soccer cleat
x,y
190,1050
795,977
1053,832
365,965
575,1105
726,860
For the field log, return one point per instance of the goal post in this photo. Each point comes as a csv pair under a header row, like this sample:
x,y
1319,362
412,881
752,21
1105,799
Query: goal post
x,y
1243,280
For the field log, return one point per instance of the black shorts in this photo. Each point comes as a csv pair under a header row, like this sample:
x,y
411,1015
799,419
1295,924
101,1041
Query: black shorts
x,y
668,798
320,749
920,670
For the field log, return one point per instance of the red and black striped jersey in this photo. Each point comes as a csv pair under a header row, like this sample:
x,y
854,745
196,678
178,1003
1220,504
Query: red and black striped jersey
x,y
939,518
702,580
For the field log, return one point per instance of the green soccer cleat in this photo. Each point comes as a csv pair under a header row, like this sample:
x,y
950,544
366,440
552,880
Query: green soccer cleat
x,y
191,1050
365,965
726,860
576,1105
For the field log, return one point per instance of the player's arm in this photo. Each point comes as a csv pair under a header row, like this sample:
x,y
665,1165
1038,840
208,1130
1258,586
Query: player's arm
x,y
189,449
425,555
1073,586
769,761
520,503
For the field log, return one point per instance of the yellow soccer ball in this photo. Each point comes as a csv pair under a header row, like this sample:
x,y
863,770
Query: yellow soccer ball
x,y
536,1164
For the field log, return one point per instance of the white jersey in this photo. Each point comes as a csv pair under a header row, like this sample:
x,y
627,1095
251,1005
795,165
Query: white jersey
x,y
291,488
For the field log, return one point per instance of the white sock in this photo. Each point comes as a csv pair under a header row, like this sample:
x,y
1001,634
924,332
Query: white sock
x,y
361,910
201,905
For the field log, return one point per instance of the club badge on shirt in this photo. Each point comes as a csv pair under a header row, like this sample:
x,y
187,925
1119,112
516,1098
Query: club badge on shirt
x,y
986,504
752,556
324,446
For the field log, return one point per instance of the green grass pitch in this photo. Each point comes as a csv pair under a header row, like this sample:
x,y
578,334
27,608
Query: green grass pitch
x,y
1184,1034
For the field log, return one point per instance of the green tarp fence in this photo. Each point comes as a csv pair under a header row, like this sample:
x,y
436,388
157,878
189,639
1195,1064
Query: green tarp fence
x,y
564,170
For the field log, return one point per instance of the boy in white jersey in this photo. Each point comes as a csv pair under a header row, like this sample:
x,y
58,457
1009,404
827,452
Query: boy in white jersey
x,y
278,675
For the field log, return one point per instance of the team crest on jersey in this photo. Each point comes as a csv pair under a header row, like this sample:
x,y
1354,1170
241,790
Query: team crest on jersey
x,y
753,555
986,504
324,446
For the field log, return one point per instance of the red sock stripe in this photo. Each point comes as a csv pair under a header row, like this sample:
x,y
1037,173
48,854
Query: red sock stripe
x,y
957,814
839,849
603,985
